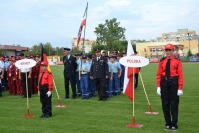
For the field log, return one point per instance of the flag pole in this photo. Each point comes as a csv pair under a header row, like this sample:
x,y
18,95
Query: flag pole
x,y
150,107
133,124
85,14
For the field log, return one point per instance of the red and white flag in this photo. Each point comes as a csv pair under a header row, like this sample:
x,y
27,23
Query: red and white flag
x,y
128,88
83,23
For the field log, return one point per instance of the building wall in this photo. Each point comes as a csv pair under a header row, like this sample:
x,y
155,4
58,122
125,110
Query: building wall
x,y
10,52
87,44
180,35
155,49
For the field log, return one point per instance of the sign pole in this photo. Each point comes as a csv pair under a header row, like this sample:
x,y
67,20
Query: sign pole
x,y
26,64
133,125
28,115
150,108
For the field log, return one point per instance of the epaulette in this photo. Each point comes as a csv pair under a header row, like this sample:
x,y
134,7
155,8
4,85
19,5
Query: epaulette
x,y
162,58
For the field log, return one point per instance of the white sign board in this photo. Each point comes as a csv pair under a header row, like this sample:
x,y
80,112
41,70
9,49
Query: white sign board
x,y
25,63
134,61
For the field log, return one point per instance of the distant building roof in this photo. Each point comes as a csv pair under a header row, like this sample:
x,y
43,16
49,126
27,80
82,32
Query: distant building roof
x,y
14,47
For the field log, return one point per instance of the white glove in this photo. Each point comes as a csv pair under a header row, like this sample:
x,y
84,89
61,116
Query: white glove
x,y
180,92
49,93
158,91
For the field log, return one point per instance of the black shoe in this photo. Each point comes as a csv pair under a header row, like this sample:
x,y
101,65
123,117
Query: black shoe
x,y
0,94
173,128
100,99
46,116
167,127
104,99
42,116
66,97
73,97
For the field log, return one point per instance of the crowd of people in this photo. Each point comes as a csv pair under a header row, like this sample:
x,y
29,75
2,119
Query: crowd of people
x,y
90,73
14,79
80,70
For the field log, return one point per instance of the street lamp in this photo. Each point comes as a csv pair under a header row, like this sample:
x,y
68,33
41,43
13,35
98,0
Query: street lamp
x,y
189,35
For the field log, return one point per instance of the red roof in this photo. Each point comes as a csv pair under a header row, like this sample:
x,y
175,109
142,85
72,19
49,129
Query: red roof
x,y
14,47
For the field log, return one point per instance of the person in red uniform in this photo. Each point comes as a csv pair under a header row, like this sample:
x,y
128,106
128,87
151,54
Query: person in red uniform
x,y
17,80
11,79
45,85
35,74
169,86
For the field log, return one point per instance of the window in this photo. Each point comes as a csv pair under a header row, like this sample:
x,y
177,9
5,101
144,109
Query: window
x,y
152,49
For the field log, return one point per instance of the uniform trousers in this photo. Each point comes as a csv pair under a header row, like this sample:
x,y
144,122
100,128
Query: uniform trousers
x,y
23,77
91,86
100,86
45,100
73,85
115,84
79,93
84,86
170,100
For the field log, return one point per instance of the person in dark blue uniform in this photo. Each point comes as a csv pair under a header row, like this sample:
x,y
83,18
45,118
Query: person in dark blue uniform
x,y
70,67
99,72
91,83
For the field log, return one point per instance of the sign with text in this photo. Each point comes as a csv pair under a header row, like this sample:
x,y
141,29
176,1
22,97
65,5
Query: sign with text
x,y
134,61
25,63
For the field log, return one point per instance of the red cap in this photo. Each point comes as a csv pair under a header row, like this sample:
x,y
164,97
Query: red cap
x,y
17,58
169,46
11,59
44,63
37,56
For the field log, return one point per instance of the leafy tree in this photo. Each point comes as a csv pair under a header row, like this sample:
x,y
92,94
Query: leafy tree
x,y
111,35
74,51
2,52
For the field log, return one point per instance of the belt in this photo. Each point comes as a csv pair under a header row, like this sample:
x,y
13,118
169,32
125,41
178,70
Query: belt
x,y
83,74
171,77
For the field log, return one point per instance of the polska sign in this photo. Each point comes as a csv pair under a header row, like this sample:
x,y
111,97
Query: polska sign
x,y
25,63
134,61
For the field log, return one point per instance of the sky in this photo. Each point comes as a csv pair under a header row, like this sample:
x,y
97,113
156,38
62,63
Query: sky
x,y
29,22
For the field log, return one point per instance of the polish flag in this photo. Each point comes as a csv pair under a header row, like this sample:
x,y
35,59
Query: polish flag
x,y
83,23
128,88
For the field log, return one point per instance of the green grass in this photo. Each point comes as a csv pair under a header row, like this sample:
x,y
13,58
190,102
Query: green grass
x,y
92,116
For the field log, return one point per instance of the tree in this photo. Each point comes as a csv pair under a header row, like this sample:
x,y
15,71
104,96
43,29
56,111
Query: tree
x,y
110,34
74,51
189,53
36,50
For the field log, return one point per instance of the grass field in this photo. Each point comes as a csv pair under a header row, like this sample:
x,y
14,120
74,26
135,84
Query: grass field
x,y
92,116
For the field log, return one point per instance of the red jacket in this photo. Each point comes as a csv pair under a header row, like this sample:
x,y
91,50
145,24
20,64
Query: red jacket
x,y
46,79
175,70
11,71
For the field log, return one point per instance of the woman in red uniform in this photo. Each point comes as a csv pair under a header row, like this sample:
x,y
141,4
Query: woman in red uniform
x,y
169,85
11,79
